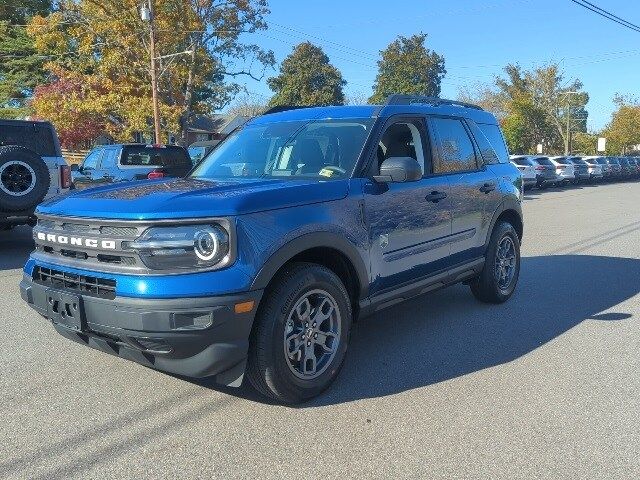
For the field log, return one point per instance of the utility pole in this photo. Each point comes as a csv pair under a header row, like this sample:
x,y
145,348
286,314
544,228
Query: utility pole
x,y
147,14
567,142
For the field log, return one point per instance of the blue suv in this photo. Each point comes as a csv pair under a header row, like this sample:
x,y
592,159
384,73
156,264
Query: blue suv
x,y
296,225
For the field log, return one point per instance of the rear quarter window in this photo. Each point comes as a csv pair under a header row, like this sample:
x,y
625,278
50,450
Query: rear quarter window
x,y
487,151
495,138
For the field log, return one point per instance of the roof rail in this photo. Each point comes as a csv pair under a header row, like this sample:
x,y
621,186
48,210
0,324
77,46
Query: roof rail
x,y
400,99
282,108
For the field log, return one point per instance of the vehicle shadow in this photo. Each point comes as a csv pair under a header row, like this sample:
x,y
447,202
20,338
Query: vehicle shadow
x,y
448,334
15,247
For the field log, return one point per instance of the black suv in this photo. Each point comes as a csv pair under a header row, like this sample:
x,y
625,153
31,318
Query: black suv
x,y
124,162
31,169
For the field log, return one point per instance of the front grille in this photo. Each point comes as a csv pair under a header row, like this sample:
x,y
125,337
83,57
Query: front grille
x,y
119,231
76,227
81,284
80,255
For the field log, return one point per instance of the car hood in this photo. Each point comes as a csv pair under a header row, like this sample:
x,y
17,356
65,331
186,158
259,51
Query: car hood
x,y
192,198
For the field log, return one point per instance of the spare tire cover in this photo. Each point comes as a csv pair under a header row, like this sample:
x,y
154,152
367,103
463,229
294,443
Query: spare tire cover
x,y
24,178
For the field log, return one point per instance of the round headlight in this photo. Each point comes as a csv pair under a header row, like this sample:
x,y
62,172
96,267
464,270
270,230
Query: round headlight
x,y
210,244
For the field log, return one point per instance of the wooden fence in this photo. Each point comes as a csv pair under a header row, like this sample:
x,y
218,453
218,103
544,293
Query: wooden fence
x,y
74,157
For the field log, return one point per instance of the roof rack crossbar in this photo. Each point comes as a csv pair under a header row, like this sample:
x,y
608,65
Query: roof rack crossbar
x,y
400,99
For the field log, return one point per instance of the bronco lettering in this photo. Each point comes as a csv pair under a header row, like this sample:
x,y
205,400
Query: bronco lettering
x,y
77,241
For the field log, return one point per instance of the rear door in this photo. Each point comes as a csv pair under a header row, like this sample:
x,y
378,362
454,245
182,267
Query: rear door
x,y
475,193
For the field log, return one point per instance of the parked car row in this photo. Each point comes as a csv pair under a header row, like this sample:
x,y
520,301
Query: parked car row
x,y
539,171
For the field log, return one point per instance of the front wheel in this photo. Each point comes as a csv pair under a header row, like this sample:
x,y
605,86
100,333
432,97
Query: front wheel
x,y
300,338
501,270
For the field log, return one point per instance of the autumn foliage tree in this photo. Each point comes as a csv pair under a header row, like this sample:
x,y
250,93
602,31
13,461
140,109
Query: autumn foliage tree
x,y
105,44
71,99
624,129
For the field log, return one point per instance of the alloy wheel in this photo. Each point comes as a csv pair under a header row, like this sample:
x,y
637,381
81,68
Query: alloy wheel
x,y
312,334
505,262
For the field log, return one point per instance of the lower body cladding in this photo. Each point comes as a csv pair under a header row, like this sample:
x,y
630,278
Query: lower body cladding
x,y
194,337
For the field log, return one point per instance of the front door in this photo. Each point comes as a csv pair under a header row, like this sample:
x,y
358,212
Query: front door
x,y
87,174
408,222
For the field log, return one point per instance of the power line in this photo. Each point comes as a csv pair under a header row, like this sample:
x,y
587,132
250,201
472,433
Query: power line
x,y
607,15
610,14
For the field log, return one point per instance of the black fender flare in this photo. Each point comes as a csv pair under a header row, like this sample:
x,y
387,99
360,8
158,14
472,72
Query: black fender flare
x,y
308,241
509,203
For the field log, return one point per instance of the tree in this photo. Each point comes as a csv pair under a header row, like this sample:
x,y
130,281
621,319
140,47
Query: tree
x,y
247,105
525,124
20,66
18,12
533,106
73,101
562,101
307,78
585,143
407,66
107,39
624,129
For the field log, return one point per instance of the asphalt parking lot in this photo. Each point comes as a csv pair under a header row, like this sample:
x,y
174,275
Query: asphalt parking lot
x,y
544,386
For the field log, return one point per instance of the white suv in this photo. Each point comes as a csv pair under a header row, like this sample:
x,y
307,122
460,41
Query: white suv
x,y
565,170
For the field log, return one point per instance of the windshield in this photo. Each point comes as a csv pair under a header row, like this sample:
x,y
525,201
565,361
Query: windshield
x,y
323,149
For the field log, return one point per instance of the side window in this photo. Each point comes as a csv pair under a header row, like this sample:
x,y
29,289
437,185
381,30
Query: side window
x,y
494,135
91,162
402,139
487,151
455,149
109,158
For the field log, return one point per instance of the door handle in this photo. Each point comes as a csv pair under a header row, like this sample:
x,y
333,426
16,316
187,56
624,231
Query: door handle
x,y
488,187
435,197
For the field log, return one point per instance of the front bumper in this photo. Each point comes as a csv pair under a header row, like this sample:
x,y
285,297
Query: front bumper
x,y
194,337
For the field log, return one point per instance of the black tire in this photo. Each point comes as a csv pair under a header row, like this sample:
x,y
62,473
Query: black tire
x,y
268,369
32,184
486,286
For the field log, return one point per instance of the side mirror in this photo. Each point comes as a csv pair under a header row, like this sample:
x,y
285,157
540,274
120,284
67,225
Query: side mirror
x,y
75,167
399,169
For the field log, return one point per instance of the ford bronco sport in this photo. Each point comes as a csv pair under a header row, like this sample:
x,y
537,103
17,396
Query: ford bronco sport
x,y
292,228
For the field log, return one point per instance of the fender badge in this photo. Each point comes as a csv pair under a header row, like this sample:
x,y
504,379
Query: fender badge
x,y
384,240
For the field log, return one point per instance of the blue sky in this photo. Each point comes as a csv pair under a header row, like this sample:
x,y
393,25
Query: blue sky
x,y
477,38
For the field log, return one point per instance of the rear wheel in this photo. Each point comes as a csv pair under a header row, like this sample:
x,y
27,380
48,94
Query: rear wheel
x,y
501,270
300,338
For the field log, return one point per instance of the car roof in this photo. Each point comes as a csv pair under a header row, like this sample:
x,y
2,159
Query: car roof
x,y
373,111
19,123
